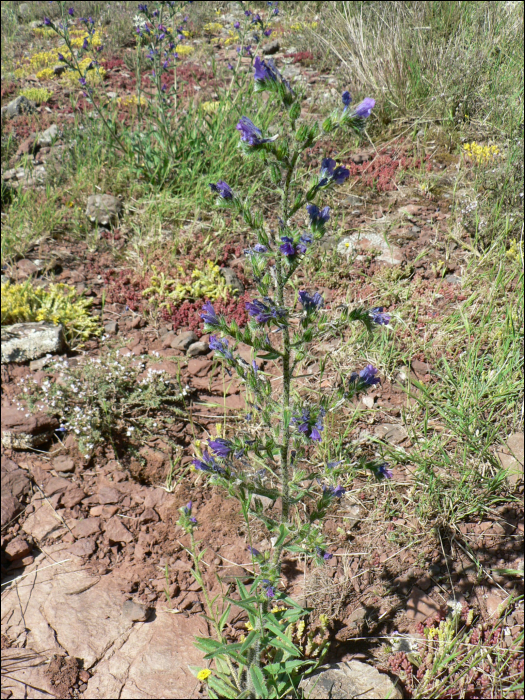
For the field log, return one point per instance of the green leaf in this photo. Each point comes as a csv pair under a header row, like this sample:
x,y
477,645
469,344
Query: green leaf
x,y
206,644
258,682
224,617
225,689
245,606
290,648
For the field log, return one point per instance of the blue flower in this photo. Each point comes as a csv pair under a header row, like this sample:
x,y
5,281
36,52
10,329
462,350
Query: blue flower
x,y
334,491
209,316
329,173
237,25
71,11
270,592
366,377
379,317
143,8
208,464
220,347
220,447
251,134
304,242
287,247
48,22
324,555
307,426
311,303
254,552
259,248
82,80
384,472
223,189
264,313
264,71
61,57
364,108
268,32
318,218
347,99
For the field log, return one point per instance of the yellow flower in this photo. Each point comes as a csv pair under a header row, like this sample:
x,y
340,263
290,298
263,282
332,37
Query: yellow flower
x,y
249,626
203,674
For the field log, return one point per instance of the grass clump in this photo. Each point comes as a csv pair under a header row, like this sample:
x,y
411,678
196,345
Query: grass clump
x,y
112,398
37,95
57,304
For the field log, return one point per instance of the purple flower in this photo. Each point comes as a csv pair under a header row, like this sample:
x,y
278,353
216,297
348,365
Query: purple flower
x,y
82,81
304,242
347,99
331,465
306,425
287,247
276,11
364,108
229,66
264,313
257,19
318,218
237,25
264,71
223,189
61,57
259,248
254,552
329,173
379,317
250,134
247,13
188,507
208,464
367,376
143,8
334,491
220,447
85,45
268,32
270,592
71,11
311,303
209,316
47,22
221,347
384,472
324,555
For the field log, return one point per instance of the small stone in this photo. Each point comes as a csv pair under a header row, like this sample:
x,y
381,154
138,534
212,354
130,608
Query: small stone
x,y
86,527
515,443
48,137
108,495
232,280
59,69
26,268
85,547
424,583
117,532
493,602
135,612
21,431
29,341
111,328
452,279
199,348
103,209
20,105
72,497
368,401
17,549
415,229
271,47
392,433
353,679
421,368
148,516
420,606
37,365
63,464
181,341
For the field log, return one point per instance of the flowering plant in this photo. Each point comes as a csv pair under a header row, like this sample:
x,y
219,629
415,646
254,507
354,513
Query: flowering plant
x,y
267,462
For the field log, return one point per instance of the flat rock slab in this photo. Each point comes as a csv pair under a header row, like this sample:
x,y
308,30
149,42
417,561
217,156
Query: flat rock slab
x,y
154,661
371,242
67,610
352,679
22,342
24,674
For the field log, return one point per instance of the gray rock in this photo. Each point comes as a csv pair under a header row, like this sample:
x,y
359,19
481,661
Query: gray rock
x,y
21,430
23,10
29,341
271,48
391,432
452,279
373,242
59,69
515,443
103,209
352,679
37,365
135,612
199,348
232,280
47,137
111,327
36,24
20,105
183,340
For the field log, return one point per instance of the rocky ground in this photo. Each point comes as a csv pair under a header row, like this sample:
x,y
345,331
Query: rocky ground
x,y
97,596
